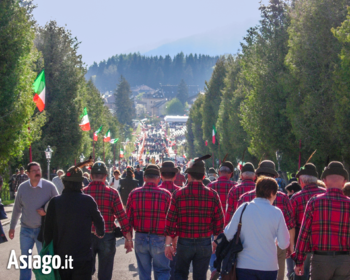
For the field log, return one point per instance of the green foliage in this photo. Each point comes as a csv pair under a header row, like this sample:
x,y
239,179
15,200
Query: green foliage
x,y
124,105
151,71
174,107
182,92
212,100
17,74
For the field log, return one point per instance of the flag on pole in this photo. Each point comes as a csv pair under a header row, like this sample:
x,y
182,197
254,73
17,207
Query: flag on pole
x,y
85,123
185,156
240,165
214,134
107,137
121,153
206,142
113,141
39,89
96,133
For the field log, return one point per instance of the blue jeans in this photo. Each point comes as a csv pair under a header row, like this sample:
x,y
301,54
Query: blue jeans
x,y
290,267
28,236
251,274
105,249
150,247
198,251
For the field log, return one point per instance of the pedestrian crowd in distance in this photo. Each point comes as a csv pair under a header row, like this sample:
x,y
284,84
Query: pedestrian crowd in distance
x,y
173,221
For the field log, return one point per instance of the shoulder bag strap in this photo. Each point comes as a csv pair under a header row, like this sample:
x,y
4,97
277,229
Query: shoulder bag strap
x,y
240,224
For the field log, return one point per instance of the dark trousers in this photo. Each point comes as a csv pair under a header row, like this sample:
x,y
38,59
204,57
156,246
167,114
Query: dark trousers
x,y
198,251
105,249
81,271
330,267
251,274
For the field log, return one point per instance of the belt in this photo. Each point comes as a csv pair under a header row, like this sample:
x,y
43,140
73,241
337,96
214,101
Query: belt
x,y
331,253
145,232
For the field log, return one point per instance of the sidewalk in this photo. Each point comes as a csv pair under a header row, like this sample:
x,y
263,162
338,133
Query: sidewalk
x,y
8,210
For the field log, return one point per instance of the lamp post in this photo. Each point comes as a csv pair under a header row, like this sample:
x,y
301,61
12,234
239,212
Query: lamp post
x,y
48,154
82,157
279,158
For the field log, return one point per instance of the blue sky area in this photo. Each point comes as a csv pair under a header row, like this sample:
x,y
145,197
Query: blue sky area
x,y
109,27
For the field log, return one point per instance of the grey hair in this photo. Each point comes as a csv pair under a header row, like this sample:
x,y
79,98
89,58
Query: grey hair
x,y
225,169
308,179
248,175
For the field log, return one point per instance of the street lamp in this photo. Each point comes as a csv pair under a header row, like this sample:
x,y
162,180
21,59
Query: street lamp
x,y
82,157
279,158
48,154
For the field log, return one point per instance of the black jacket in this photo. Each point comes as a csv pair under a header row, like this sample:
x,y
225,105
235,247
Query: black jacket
x,y
139,177
68,223
126,186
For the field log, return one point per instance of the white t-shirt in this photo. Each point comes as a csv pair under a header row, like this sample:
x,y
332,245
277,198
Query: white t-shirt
x,y
114,183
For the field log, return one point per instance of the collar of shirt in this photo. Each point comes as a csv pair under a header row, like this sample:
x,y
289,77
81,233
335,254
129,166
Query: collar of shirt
x,y
222,178
39,184
310,186
97,184
261,200
248,181
335,191
195,185
150,185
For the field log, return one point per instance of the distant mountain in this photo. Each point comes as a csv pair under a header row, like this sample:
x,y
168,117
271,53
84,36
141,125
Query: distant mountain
x,y
216,42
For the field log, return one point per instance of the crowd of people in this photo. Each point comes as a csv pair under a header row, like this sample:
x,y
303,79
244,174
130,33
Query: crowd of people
x,y
173,221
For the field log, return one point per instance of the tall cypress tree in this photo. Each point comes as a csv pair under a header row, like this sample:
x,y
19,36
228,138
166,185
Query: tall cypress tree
x,y
123,102
182,92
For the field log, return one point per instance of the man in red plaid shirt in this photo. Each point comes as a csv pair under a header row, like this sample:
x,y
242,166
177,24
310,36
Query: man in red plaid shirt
x,y
267,168
222,186
146,208
180,179
325,229
308,181
168,173
110,205
195,214
247,184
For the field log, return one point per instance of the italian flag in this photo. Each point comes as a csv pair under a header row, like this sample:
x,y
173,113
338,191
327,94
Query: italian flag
x,y
206,142
214,134
107,137
121,155
96,133
39,89
85,123
184,155
240,165
113,141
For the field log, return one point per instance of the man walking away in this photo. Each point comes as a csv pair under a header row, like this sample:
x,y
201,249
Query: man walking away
x,y
139,175
180,179
147,208
110,206
308,181
195,214
31,196
12,184
58,181
212,174
68,224
325,229
21,177
127,185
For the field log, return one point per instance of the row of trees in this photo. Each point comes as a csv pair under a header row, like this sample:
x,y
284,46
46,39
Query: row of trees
x,y
290,83
151,71
25,49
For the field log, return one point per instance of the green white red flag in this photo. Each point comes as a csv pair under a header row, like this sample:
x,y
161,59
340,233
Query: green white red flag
x,y
107,137
185,156
96,133
85,123
113,141
39,89
121,155
214,134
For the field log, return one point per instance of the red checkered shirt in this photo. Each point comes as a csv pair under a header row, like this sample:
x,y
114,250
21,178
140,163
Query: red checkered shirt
x,y
180,179
147,207
110,205
170,186
326,225
233,196
195,212
300,199
222,186
281,201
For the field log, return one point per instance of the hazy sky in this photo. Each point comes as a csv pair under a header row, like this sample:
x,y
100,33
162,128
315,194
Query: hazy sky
x,y
109,27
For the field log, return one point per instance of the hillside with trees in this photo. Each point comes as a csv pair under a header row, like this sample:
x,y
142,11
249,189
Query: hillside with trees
x,y
151,71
